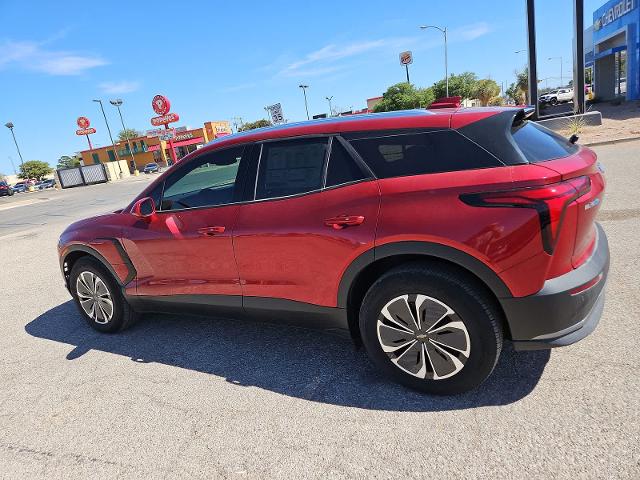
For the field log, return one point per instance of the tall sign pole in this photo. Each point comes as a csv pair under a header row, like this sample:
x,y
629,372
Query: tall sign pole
x,y
161,106
533,71
85,129
578,56
406,59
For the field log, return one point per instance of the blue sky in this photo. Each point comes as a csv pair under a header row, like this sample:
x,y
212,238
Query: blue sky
x,y
218,60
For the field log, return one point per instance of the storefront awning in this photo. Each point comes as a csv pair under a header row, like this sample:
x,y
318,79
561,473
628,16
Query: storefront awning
x,y
184,143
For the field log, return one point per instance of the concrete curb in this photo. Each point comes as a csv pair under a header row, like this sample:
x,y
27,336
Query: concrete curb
x,y
610,142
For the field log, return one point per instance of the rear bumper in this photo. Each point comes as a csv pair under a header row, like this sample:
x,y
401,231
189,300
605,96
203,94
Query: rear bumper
x,y
555,317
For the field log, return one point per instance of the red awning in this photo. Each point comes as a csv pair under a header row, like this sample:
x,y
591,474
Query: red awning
x,y
191,141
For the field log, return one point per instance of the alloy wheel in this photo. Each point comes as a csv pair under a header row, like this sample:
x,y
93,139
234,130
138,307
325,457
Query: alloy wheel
x,y
423,337
94,297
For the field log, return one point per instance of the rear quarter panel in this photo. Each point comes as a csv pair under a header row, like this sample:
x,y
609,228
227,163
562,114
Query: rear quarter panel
x,y
428,208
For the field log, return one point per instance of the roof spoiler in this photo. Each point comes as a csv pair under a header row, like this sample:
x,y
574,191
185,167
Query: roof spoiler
x,y
525,113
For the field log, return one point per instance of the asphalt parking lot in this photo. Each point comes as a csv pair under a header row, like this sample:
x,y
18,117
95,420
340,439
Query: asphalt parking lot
x,y
212,398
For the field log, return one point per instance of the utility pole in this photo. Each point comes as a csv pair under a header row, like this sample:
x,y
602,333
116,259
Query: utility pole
x,y
330,109
117,103
446,54
115,150
10,125
561,73
304,91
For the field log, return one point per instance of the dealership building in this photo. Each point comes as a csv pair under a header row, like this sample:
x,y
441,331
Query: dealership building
x,y
613,52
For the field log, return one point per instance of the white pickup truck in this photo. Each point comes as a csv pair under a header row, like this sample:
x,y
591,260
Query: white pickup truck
x,y
554,97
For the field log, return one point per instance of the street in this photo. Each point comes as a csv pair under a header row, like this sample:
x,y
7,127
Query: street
x,y
229,398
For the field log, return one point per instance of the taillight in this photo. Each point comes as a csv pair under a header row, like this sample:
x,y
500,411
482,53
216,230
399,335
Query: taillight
x,y
550,202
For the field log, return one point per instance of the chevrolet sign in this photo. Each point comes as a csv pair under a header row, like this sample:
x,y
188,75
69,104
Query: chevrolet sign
x,y
619,10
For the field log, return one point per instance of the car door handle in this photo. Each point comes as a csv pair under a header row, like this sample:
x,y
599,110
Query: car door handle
x,y
342,221
210,231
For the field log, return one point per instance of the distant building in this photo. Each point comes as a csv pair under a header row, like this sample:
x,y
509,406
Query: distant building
x,y
150,148
612,51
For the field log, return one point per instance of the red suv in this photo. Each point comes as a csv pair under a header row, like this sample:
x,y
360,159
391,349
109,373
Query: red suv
x,y
431,236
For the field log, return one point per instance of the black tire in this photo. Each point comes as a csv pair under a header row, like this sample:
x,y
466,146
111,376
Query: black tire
x,y
122,315
553,101
434,288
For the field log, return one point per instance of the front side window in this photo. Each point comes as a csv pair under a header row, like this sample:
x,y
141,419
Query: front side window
x,y
207,181
291,167
421,153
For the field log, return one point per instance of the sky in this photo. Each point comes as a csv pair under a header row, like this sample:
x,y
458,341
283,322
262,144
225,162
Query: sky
x,y
217,60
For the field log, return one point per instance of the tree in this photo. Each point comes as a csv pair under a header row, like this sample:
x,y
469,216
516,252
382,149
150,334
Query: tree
x,y
519,90
459,85
404,96
253,125
128,134
67,161
496,102
484,90
35,169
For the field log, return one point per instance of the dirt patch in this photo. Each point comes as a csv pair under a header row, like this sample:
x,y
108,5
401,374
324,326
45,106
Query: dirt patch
x,y
618,122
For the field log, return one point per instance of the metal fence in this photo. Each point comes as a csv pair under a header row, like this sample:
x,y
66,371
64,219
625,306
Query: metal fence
x,y
84,175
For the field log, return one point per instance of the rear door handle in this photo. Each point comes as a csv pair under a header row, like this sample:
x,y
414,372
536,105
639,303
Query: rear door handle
x,y
342,221
210,231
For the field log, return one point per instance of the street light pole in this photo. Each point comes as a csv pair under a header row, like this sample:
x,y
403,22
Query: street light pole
x,y
116,103
115,150
561,74
446,54
9,125
329,100
304,92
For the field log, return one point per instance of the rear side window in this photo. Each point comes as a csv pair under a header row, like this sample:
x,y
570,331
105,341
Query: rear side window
x,y
420,153
342,168
291,167
538,143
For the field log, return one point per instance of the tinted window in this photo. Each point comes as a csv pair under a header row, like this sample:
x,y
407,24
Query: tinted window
x,y
419,153
207,181
538,143
291,167
342,168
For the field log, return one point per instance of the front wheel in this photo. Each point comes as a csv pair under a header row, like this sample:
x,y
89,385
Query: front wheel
x,y
99,297
431,329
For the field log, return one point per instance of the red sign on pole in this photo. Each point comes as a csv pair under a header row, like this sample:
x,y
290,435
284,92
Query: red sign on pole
x,y
160,104
83,122
165,119
86,131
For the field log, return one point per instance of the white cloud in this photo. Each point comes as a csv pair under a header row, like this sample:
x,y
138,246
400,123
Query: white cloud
x,y
471,32
123,86
322,61
32,56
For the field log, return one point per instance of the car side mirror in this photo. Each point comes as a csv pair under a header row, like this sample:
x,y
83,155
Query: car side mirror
x,y
144,208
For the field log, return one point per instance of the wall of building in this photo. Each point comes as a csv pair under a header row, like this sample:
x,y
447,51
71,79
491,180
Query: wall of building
x,y
616,26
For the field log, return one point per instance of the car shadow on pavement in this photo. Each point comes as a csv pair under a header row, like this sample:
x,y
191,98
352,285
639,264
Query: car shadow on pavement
x,y
298,362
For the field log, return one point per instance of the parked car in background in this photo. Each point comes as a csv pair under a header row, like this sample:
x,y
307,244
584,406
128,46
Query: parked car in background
x,y
151,168
19,187
431,236
48,183
5,189
554,97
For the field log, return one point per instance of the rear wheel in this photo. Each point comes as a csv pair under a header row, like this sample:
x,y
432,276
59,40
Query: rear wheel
x,y
99,297
430,329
